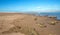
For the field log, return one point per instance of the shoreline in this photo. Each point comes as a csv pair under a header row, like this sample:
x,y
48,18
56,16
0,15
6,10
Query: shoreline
x,y
30,14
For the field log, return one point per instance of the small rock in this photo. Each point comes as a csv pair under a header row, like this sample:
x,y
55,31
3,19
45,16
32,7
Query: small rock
x,y
42,25
52,23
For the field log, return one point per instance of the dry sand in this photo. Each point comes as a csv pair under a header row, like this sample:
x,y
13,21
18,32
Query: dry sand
x,y
25,24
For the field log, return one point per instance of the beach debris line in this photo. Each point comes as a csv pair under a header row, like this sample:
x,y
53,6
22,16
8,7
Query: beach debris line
x,y
53,17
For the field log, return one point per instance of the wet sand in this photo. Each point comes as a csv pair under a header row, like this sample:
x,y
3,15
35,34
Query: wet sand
x,y
26,24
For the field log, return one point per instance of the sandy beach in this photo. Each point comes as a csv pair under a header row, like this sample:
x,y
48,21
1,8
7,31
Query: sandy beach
x,y
26,24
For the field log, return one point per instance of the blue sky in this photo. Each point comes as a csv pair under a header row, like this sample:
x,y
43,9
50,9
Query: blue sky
x,y
29,5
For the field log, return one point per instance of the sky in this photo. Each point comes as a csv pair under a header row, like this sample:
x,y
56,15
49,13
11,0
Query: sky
x,y
29,5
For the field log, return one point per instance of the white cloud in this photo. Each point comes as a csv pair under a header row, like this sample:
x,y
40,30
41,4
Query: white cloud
x,y
38,7
46,9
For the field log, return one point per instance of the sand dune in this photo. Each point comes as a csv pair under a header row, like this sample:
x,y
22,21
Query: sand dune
x,y
25,24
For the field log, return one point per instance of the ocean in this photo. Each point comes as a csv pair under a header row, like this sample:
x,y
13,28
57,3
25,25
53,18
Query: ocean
x,y
57,14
